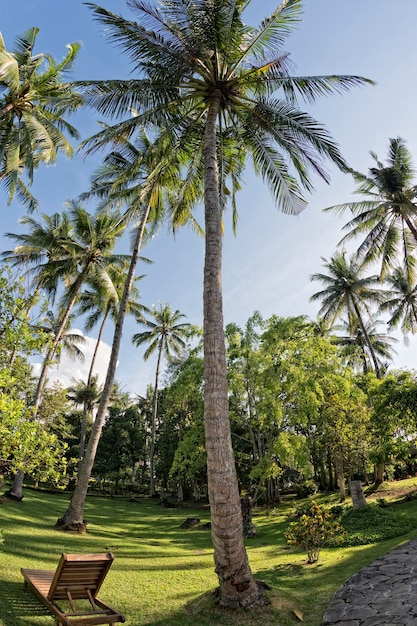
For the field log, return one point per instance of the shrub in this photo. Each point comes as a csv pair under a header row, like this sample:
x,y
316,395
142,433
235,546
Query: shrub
x,y
306,488
313,529
372,523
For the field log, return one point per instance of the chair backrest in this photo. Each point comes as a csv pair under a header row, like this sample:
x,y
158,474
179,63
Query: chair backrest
x,y
78,573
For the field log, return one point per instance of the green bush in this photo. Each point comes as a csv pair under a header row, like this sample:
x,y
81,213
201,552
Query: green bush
x,y
372,523
313,529
306,489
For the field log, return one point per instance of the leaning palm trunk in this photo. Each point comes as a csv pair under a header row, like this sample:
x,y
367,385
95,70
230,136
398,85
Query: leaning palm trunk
x,y
237,585
59,334
74,515
86,407
16,490
367,341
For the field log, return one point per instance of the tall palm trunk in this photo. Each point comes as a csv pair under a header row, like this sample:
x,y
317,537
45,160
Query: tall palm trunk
x,y
73,517
237,585
153,423
59,334
86,406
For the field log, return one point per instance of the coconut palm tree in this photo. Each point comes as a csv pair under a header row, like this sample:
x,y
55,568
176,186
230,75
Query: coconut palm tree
x,y
87,394
348,292
34,100
354,349
166,337
136,175
208,80
387,214
101,299
62,251
401,301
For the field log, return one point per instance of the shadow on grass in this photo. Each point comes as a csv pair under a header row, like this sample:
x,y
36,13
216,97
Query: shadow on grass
x,y
20,607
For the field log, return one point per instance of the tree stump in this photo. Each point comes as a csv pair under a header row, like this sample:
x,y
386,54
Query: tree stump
x,y
191,523
356,491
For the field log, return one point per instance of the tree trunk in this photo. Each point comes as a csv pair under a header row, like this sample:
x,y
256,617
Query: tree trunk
x,y
60,332
153,424
367,340
237,585
379,474
16,490
73,517
341,480
86,406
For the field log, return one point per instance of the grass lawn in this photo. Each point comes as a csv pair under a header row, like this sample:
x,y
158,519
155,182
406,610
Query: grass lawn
x,y
163,575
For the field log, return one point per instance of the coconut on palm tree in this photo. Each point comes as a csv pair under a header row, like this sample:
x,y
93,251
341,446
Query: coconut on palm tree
x,y
348,292
222,91
166,336
34,100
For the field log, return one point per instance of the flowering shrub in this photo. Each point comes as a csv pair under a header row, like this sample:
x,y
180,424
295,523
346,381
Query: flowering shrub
x,y
314,527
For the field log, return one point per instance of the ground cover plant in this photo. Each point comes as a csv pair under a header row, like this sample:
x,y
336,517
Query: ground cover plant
x,y
164,575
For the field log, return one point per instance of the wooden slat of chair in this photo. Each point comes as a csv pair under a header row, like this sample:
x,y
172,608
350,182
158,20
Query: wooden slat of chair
x,y
78,576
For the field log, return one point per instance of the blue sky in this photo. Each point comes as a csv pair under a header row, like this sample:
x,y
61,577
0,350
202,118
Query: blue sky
x,y
268,265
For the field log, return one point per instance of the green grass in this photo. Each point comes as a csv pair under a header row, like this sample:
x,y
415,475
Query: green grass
x,y
163,575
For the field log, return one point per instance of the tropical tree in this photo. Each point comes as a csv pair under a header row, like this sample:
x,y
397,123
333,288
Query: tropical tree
x,y
87,394
209,80
393,417
63,250
401,301
348,292
34,100
387,213
166,336
354,348
101,298
137,178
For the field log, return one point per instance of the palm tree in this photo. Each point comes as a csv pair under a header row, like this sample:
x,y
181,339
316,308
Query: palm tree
x,y
34,100
64,251
387,214
208,80
166,336
136,177
348,292
354,348
87,394
101,299
401,301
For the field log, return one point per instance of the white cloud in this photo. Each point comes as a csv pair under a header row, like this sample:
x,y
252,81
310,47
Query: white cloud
x,y
69,370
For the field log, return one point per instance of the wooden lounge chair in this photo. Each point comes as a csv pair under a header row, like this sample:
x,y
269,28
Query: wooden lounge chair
x,y
77,577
